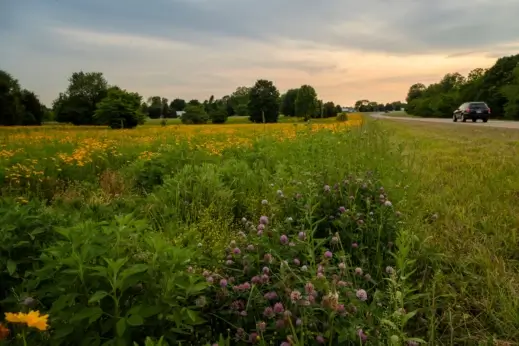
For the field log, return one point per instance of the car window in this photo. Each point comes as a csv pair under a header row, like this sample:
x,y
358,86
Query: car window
x,y
478,104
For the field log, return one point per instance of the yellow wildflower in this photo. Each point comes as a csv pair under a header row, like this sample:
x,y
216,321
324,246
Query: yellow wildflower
x,y
32,319
14,318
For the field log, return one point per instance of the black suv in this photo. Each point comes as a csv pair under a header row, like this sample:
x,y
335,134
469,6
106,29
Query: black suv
x,y
472,110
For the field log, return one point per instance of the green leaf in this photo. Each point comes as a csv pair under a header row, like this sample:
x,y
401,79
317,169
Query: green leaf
x,y
96,297
61,332
389,323
11,266
408,316
135,320
121,327
86,313
135,269
149,311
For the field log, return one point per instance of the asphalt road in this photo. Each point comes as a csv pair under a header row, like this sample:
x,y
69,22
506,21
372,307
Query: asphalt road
x,y
490,123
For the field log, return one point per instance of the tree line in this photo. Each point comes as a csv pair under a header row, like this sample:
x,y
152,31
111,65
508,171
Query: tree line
x,y
19,106
373,106
90,100
498,86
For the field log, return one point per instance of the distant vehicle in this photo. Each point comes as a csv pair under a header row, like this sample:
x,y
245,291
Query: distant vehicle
x,y
473,111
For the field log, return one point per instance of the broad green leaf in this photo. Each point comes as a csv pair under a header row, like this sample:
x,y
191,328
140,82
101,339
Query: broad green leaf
x,y
135,320
11,266
149,311
62,331
135,269
408,316
86,313
121,326
97,296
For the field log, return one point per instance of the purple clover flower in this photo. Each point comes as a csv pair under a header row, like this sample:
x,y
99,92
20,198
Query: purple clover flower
x,y
362,295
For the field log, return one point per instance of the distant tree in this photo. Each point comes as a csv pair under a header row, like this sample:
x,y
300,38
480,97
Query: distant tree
x,y
330,110
239,100
415,91
194,114
120,109
177,105
18,106
78,103
194,102
511,92
263,103
48,114
218,115
210,104
360,105
166,112
493,81
306,102
388,107
288,103
33,111
155,107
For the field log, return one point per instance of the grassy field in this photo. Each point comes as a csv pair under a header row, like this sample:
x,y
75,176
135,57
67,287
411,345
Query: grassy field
x,y
189,217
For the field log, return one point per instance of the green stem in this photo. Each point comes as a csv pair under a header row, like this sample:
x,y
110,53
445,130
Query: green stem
x,y
23,337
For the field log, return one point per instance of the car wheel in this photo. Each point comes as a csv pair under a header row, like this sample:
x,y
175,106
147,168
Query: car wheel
x,y
463,119
485,120
474,120
454,118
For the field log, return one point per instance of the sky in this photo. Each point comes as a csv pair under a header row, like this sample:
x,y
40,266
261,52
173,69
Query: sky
x,y
346,49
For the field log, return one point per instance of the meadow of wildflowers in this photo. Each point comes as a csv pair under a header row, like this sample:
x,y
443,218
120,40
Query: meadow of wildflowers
x,y
283,234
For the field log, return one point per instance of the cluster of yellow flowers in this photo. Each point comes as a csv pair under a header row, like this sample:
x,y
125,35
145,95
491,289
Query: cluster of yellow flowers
x,y
32,319
33,153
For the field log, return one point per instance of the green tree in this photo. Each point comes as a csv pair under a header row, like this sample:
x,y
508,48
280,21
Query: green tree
x,y
177,105
415,91
33,110
263,102
218,115
166,112
239,100
194,114
511,92
493,81
155,107
288,103
78,103
329,110
306,102
18,106
120,109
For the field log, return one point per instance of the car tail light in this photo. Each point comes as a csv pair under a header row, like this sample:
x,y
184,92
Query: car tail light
x,y
489,110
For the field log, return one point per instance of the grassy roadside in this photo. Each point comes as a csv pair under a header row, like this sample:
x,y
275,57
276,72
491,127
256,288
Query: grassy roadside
x,y
463,193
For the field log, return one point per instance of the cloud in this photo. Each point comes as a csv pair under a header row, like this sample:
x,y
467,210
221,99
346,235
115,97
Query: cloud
x,y
195,48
